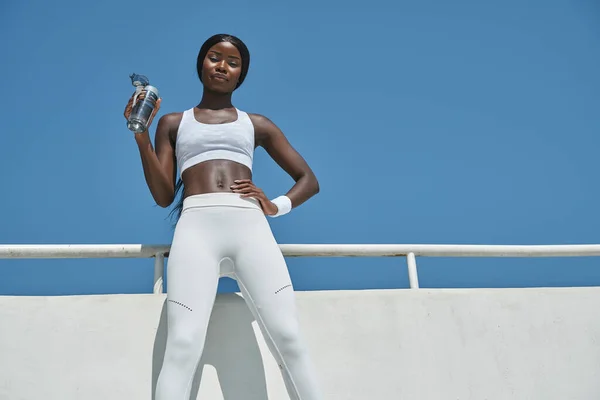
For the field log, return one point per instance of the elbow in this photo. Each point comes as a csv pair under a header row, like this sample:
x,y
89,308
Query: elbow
x,y
314,185
316,188
165,201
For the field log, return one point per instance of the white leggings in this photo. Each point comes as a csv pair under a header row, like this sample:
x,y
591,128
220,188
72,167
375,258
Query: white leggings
x,y
222,234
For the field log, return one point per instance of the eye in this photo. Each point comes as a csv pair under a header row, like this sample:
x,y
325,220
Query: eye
x,y
233,64
213,59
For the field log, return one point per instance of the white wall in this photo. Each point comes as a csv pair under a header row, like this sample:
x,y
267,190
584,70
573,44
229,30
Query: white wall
x,y
395,344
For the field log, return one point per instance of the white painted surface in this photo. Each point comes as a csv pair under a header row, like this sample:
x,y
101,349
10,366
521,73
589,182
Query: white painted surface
x,y
474,344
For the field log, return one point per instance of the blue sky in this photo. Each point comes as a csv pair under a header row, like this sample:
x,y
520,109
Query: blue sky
x,y
425,122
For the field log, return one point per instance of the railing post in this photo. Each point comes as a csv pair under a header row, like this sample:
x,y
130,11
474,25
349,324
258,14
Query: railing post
x,y
413,277
159,270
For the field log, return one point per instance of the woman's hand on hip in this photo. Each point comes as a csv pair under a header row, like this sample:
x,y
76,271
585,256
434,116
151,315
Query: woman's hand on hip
x,y
246,188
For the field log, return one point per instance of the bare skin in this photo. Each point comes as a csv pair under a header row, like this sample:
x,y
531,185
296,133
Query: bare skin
x,y
220,73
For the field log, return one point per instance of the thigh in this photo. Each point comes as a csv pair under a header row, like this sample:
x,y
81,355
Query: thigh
x,y
263,276
192,273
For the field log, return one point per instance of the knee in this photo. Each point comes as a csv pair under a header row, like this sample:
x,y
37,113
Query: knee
x,y
183,347
288,339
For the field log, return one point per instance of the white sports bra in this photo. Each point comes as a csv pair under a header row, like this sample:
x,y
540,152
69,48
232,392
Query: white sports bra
x,y
197,142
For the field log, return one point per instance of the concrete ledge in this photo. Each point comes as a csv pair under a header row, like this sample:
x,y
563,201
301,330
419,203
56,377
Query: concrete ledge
x,y
467,344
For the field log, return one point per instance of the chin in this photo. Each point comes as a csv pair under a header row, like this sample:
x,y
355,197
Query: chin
x,y
220,89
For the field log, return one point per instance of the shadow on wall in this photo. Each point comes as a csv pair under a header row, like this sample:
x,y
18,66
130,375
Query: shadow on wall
x,y
239,377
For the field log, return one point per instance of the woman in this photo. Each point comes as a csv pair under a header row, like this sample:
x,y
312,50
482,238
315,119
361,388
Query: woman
x,y
222,229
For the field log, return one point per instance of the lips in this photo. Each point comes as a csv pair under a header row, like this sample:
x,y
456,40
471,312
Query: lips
x,y
219,77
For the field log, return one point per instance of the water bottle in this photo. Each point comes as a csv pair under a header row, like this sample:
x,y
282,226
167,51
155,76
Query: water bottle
x,y
141,110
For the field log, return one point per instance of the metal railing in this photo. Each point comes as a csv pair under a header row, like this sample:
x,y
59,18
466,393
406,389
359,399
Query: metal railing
x,y
410,251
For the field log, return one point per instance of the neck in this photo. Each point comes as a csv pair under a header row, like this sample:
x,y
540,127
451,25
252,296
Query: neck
x,y
214,100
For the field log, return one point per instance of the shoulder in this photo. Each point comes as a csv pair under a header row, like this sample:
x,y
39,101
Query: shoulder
x,y
259,119
168,125
264,128
171,119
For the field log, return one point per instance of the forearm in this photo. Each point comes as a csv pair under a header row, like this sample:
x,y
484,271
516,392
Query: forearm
x,y
158,182
305,187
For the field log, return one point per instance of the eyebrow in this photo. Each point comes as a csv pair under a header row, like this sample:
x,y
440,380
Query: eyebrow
x,y
219,54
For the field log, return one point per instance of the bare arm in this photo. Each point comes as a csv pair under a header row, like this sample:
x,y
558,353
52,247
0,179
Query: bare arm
x,y
272,139
159,166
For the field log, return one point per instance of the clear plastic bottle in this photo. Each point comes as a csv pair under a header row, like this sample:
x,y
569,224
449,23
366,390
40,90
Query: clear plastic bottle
x,y
141,110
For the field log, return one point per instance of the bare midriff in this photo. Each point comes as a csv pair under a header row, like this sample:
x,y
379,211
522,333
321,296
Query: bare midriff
x,y
213,176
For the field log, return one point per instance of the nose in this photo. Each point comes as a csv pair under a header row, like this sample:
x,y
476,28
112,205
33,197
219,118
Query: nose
x,y
220,67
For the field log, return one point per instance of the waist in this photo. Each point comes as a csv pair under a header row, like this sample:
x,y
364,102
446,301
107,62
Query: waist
x,y
213,176
220,199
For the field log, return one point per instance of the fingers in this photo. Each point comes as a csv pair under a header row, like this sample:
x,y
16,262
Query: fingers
x,y
250,193
256,195
140,97
245,188
129,105
128,108
248,189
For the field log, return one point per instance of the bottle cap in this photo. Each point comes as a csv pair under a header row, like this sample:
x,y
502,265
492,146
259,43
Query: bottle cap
x,y
139,80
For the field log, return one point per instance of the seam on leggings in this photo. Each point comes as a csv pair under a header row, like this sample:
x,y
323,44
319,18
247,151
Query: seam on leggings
x,y
280,289
180,304
240,282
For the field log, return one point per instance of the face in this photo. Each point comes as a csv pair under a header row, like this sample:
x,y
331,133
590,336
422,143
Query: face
x,y
222,68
